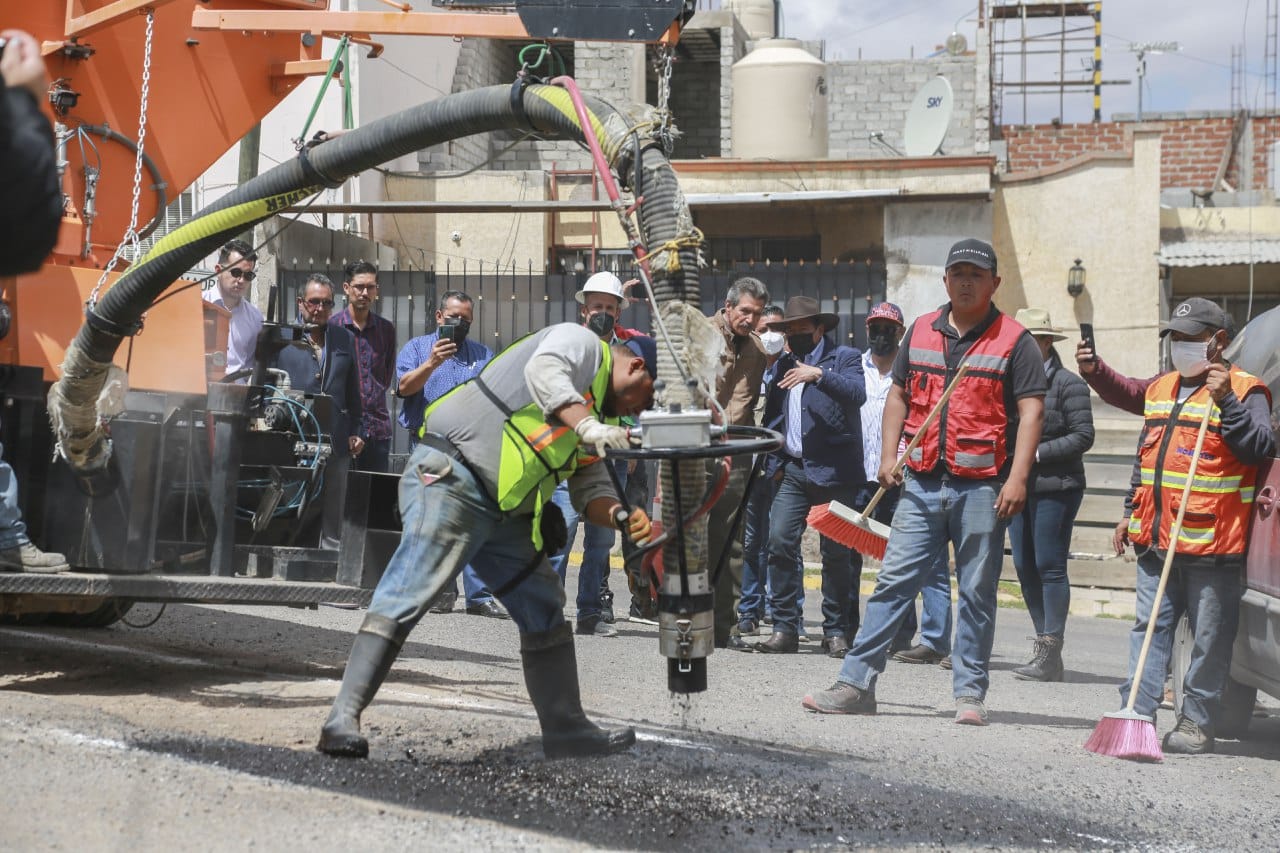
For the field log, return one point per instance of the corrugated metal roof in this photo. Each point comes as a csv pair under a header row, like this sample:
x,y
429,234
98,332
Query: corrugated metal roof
x,y
1217,253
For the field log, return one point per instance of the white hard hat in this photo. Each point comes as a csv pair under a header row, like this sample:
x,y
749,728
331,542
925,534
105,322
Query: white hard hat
x,y
601,282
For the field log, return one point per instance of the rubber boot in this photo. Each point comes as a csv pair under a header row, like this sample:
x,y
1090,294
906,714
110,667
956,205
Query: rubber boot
x,y
551,676
1046,661
374,651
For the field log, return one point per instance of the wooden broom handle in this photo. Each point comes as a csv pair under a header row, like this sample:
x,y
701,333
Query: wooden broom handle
x,y
1174,533
915,440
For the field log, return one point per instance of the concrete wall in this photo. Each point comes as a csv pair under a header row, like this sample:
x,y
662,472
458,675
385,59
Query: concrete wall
x,y
917,236
1106,214
869,96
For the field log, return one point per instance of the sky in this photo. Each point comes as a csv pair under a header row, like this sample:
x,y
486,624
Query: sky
x,y
1198,77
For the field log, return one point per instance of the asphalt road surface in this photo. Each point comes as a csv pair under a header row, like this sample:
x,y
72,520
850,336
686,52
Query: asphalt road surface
x,y
199,733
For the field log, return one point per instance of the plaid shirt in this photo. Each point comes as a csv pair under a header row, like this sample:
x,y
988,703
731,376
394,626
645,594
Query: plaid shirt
x,y
376,361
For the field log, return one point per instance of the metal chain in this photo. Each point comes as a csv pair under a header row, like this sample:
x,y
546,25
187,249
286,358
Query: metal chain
x,y
666,58
130,237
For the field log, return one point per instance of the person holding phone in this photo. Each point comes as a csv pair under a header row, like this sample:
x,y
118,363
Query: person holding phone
x,y
428,367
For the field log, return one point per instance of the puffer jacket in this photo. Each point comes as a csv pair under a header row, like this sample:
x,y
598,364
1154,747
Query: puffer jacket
x,y
1067,432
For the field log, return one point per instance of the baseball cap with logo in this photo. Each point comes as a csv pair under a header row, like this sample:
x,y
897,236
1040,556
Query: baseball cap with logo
x,y
974,252
1196,315
601,282
886,311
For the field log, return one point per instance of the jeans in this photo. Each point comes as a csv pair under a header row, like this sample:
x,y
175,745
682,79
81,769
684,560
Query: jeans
x,y
840,565
1211,599
725,554
375,457
474,589
449,523
932,512
935,599
755,549
597,542
1041,558
13,531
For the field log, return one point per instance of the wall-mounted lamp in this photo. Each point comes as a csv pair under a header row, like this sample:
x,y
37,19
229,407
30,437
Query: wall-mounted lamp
x,y
1075,279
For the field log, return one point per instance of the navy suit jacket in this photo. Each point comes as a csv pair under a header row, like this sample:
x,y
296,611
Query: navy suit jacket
x,y
338,377
830,417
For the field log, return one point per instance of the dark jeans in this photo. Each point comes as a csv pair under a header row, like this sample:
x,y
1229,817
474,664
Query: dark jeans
x,y
840,565
1211,599
375,457
755,549
1041,558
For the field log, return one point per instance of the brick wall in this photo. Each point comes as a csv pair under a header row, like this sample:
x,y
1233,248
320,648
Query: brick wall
x,y
1191,147
870,96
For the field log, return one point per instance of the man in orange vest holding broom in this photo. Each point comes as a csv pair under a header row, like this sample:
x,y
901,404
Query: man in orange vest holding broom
x,y
964,480
1204,580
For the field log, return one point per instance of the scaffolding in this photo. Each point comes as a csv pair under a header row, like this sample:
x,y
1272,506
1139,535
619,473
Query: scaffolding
x,y
1037,49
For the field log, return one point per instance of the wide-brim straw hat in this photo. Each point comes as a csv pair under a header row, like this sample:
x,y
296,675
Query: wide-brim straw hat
x,y
1036,321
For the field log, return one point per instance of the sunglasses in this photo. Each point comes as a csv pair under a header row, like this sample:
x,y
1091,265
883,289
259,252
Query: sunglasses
x,y
363,286
319,303
247,275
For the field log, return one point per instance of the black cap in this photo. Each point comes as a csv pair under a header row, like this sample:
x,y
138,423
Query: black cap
x,y
974,252
1195,316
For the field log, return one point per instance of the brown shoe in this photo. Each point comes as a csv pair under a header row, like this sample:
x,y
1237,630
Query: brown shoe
x,y
779,643
30,559
918,654
841,698
836,646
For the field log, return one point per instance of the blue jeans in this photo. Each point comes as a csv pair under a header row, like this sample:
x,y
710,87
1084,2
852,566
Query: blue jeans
x,y
1211,599
932,512
376,456
840,565
755,549
597,542
450,523
477,593
1041,558
935,599
13,530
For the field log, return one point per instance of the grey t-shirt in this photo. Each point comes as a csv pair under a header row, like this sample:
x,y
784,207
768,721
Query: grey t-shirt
x,y
553,368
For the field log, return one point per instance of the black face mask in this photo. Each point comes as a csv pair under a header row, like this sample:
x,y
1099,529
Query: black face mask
x,y
601,324
460,330
882,344
801,345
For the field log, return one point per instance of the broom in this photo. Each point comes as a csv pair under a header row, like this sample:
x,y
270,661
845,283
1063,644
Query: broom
x,y
858,530
1126,733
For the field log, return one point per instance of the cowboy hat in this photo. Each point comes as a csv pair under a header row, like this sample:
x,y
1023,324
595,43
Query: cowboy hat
x,y
1036,321
805,308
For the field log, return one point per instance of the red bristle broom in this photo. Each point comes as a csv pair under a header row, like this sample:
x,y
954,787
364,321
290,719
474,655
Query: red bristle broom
x,y
858,530
1126,733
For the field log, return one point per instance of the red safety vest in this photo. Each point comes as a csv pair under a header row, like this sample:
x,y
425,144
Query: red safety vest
x,y
1221,499
971,427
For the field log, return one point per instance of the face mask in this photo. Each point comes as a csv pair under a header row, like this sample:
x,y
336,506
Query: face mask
x,y
601,324
1190,358
801,345
882,344
460,330
772,342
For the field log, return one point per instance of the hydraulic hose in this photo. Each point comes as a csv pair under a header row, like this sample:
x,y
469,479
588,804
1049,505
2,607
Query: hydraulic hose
x,y
79,428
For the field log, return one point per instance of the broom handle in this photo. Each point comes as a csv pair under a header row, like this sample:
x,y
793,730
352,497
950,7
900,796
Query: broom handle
x,y
1168,557
924,427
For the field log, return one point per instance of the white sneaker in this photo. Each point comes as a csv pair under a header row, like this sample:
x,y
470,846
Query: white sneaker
x,y
970,711
28,558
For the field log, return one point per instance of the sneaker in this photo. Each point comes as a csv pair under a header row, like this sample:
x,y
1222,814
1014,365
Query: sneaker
x,y
970,711
841,698
945,663
1188,739
444,602
606,607
589,626
918,654
28,558
645,612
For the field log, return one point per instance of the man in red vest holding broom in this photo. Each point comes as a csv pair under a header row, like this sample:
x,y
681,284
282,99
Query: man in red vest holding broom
x,y
964,480
1209,550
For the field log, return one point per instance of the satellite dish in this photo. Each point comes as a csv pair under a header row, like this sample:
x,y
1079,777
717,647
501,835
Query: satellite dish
x,y
928,118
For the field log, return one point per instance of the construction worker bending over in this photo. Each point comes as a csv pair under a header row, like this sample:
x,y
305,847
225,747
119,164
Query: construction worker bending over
x,y
1209,554
476,490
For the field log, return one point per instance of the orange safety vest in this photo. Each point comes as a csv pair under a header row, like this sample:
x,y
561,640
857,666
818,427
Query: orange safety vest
x,y
971,427
1221,498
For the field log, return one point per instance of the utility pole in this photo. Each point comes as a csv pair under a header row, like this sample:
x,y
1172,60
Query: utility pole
x,y
1142,49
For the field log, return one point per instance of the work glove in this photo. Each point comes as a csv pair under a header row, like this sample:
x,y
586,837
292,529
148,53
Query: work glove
x,y
635,526
602,436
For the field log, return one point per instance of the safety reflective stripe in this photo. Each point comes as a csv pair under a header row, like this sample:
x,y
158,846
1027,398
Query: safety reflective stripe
x,y
543,438
975,460
1213,485
917,454
1135,525
1195,535
931,358
979,361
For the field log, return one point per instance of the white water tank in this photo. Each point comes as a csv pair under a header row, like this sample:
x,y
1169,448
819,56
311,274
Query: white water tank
x,y
779,106
756,16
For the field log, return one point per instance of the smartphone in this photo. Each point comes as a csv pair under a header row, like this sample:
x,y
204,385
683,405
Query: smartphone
x,y
1086,334
446,331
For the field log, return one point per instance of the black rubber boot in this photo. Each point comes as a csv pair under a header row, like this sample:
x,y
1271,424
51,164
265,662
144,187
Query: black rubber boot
x,y
374,651
1046,661
551,676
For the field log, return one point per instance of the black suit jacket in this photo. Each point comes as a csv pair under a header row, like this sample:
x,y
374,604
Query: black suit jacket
x,y
337,377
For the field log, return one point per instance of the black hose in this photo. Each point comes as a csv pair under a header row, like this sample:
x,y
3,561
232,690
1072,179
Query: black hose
x,y
157,181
